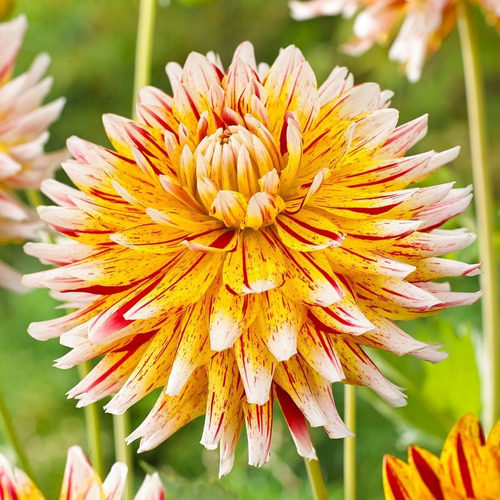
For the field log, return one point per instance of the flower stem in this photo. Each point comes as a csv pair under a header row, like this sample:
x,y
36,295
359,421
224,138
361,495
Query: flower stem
x,y
350,443
34,197
144,46
11,433
121,426
93,425
484,210
316,479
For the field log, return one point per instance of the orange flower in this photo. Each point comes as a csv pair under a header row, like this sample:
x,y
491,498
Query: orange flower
x,y
424,24
23,134
247,237
80,482
469,467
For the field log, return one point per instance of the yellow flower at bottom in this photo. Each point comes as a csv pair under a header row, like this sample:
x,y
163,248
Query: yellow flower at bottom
x,y
80,482
469,467
245,241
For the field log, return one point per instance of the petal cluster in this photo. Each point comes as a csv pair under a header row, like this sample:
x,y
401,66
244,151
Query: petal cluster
x,y
23,135
80,482
422,24
469,467
243,242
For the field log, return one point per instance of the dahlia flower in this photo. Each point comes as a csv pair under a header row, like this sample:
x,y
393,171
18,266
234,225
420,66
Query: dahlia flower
x,y
424,24
243,242
23,134
80,482
469,467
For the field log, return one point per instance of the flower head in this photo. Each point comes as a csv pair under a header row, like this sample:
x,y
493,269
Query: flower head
x,y
23,134
469,467
80,482
424,24
243,242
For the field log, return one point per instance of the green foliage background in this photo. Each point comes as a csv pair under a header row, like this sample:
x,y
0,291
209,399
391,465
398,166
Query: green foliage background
x,y
92,48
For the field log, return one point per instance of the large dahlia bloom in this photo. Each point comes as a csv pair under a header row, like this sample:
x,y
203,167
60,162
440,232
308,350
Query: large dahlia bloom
x,y
80,482
423,24
244,241
23,134
469,467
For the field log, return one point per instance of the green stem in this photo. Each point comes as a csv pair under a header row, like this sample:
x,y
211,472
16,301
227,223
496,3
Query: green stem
x,y
34,197
123,452
316,479
93,425
350,443
483,188
11,433
144,46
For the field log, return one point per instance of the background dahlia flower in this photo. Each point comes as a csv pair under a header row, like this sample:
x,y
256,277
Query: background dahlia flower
x,y
23,135
469,467
244,241
423,24
80,482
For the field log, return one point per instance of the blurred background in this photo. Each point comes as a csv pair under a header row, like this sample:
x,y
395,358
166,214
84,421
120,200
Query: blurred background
x,y
92,47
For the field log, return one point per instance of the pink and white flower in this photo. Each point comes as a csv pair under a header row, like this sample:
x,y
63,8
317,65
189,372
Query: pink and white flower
x,y
80,482
23,135
423,25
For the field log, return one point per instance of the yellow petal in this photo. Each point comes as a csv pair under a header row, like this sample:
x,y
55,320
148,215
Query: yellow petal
x,y
360,370
224,392
278,324
307,231
256,265
187,278
310,279
297,424
230,207
398,484
170,413
428,472
292,377
192,349
263,209
316,348
256,366
230,316
143,379
259,421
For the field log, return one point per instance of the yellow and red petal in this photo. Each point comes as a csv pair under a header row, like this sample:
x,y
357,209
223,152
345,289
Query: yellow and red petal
x,y
258,423
256,265
278,324
307,231
256,366
230,316
170,413
398,484
310,279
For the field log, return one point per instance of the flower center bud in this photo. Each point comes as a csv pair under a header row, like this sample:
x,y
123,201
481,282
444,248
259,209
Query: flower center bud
x,y
232,163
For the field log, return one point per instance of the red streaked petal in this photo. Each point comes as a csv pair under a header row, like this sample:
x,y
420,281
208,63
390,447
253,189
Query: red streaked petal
x,y
256,265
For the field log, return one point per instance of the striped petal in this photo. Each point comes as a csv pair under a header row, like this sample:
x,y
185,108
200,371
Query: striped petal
x,y
255,266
